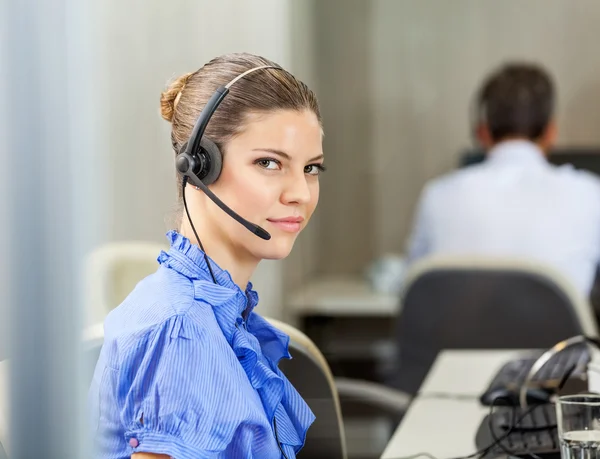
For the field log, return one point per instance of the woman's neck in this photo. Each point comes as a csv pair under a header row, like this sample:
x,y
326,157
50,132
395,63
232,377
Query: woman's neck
x,y
226,257
241,271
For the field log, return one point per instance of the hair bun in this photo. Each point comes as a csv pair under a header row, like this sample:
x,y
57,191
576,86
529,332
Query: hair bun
x,y
170,97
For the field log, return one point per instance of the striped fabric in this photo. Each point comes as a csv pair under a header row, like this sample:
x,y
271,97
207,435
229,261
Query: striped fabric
x,y
182,373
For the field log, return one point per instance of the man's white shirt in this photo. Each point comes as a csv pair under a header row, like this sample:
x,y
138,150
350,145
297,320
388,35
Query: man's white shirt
x,y
514,204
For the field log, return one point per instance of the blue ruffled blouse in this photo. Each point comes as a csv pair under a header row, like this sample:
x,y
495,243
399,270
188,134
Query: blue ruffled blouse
x,y
188,369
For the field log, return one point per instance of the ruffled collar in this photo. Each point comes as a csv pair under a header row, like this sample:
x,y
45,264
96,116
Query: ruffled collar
x,y
244,330
230,304
188,259
233,310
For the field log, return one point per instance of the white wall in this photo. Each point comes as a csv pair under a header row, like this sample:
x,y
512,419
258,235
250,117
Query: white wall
x,y
428,58
139,46
400,77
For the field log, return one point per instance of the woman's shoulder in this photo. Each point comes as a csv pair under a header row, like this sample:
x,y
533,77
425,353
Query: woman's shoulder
x,y
153,300
162,308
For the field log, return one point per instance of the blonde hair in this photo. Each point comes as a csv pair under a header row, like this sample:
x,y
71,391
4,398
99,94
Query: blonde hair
x,y
170,98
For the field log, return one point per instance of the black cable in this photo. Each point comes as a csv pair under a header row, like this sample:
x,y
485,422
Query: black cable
x,y
514,424
565,377
498,440
184,182
185,179
482,451
559,387
446,396
415,456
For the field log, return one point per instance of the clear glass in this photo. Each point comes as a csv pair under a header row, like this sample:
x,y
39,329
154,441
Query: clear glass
x,y
578,419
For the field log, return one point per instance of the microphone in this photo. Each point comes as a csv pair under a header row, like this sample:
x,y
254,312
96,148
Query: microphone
x,y
194,180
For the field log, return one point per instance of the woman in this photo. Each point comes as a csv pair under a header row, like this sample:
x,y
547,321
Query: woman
x,y
188,369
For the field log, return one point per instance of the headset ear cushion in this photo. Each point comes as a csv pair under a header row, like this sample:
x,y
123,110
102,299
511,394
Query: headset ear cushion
x,y
216,160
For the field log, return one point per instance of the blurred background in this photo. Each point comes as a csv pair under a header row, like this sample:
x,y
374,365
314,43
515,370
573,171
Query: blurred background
x,y
396,81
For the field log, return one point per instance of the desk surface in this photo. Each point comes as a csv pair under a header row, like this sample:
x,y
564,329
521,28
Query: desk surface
x,y
342,296
441,425
443,428
465,372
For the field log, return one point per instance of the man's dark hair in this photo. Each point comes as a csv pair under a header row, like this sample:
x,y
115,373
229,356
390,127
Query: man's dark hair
x,y
517,100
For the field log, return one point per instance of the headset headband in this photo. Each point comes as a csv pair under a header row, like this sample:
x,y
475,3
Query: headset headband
x,y
212,105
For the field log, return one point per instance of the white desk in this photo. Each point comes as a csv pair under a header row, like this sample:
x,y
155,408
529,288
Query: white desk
x,y
342,296
438,424
465,372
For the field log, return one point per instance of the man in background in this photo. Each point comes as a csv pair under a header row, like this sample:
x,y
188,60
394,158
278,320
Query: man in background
x,y
515,203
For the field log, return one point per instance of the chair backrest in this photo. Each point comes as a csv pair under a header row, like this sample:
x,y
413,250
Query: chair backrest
x,y
482,303
112,272
309,372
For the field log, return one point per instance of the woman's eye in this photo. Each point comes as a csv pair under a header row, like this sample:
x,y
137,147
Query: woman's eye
x,y
266,163
314,169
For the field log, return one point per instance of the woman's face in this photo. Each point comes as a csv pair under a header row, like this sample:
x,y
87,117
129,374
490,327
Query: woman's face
x,y
270,177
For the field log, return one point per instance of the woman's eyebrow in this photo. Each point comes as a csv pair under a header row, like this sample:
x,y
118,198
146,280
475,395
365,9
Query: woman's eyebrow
x,y
283,154
274,151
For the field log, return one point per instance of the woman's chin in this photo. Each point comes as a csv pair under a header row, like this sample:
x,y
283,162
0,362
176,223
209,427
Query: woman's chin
x,y
275,249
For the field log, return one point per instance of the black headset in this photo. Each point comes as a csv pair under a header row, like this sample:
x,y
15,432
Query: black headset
x,y
547,355
200,160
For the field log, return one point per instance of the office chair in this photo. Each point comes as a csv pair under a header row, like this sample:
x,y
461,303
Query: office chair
x,y
482,303
113,270
309,372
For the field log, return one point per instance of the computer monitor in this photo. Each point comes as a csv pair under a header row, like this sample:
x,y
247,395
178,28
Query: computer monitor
x,y
581,158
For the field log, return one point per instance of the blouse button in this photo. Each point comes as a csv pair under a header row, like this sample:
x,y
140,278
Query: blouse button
x,y
133,442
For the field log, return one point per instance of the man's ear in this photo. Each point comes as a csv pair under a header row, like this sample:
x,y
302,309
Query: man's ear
x,y
484,136
549,137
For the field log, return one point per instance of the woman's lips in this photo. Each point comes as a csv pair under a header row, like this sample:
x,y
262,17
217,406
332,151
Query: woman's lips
x,y
288,224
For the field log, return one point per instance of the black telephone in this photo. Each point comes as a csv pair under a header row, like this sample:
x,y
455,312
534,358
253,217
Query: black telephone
x,y
530,431
570,363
